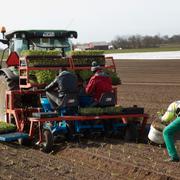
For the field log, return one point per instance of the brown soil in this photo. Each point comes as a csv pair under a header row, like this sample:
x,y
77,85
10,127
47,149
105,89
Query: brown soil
x,y
149,84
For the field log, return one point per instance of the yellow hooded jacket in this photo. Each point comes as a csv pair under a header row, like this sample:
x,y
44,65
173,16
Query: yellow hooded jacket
x,y
171,112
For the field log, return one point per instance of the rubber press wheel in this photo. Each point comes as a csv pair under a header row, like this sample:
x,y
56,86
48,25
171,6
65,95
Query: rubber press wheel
x,y
25,142
48,141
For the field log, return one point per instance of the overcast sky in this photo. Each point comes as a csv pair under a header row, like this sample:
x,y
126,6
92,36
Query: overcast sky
x,y
94,20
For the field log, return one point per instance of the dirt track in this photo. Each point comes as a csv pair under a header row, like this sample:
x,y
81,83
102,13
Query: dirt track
x,y
149,84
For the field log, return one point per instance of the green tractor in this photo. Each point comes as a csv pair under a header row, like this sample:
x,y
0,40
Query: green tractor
x,y
22,40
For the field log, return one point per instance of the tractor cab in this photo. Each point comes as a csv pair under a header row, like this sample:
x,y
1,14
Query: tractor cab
x,y
20,40
13,76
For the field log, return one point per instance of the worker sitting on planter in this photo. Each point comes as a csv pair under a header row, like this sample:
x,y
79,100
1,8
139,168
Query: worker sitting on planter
x,y
100,87
172,119
62,92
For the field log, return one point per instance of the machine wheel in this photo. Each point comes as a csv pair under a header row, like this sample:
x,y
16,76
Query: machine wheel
x,y
5,84
70,131
108,127
48,141
131,132
144,137
25,142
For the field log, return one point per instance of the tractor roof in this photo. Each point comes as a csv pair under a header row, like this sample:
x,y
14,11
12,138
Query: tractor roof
x,y
41,33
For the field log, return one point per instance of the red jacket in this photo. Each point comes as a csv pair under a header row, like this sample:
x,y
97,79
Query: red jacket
x,y
99,83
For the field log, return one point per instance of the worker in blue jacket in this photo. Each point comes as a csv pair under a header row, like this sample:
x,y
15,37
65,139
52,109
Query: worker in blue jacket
x,y
172,119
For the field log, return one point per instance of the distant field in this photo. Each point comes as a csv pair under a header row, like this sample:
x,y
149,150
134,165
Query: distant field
x,y
159,49
174,47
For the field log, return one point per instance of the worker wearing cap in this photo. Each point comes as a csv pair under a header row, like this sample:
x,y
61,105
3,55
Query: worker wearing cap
x,y
171,117
99,83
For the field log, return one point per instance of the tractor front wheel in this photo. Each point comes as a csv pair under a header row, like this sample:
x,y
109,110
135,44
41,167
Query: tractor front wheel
x,y
5,85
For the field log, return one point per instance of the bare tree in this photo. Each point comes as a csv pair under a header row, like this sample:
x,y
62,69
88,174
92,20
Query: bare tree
x,y
138,41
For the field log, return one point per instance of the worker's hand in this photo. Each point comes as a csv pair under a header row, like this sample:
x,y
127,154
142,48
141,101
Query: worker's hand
x,y
164,123
159,114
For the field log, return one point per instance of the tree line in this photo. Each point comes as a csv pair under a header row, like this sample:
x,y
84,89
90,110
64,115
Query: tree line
x,y
138,41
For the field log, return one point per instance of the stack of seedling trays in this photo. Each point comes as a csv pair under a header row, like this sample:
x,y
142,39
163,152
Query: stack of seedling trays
x,y
114,77
85,58
87,74
113,110
6,127
43,76
97,111
49,58
133,110
37,58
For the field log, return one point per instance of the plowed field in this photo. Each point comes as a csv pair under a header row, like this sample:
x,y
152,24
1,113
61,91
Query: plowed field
x,y
149,84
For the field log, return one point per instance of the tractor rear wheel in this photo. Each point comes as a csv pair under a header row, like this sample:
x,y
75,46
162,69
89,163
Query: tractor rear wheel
x,y
5,85
47,141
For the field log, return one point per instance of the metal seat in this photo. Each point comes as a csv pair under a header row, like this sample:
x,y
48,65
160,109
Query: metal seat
x,y
69,100
107,99
68,105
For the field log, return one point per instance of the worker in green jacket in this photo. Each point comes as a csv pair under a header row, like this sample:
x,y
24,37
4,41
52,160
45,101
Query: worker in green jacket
x,y
172,119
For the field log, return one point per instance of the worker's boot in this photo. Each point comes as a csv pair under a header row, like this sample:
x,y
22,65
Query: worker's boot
x,y
171,160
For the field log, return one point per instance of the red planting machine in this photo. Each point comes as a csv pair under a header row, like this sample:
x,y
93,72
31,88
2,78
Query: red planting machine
x,y
23,102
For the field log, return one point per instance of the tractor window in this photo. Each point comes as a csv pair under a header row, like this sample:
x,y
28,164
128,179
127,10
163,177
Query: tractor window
x,y
51,43
18,45
45,41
